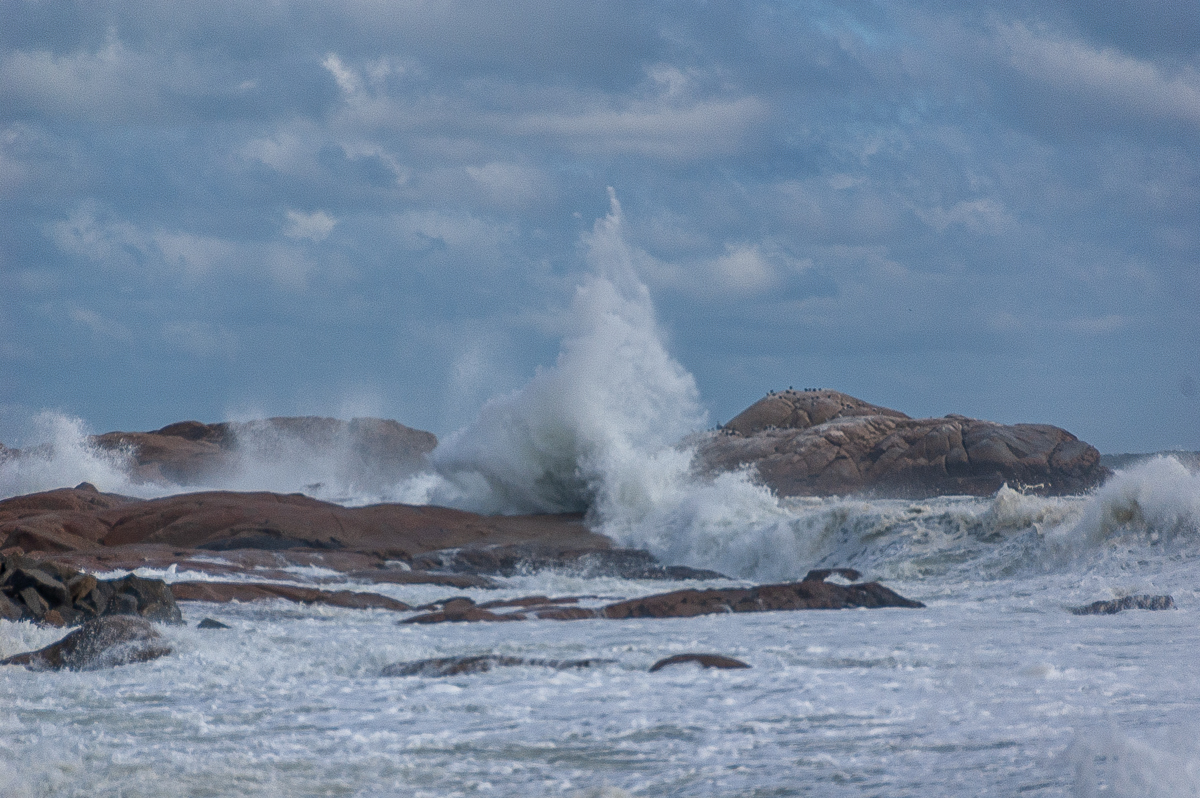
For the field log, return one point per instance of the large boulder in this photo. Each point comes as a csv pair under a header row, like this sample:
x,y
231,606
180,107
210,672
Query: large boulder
x,y
100,643
822,443
377,450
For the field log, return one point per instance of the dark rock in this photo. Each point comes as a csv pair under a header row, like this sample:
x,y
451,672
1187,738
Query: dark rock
x,y
37,605
150,598
820,443
210,623
100,643
1126,603
455,666
10,610
52,590
703,660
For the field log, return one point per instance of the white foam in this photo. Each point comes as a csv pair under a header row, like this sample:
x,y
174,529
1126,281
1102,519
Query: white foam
x,y
596,430
59,454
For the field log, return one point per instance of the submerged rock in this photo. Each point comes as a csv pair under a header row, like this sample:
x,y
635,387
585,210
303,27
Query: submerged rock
x,y
211,623
1125,603
454,666
703,660
821,443
99,643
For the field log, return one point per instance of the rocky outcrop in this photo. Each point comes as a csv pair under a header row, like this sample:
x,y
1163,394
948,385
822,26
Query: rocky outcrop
x,y
55,594
822,443
192,453
99,643
812,593
82,519
703,660
1125,603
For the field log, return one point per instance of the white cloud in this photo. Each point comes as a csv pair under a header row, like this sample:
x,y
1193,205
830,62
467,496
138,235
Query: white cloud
x,y
986,216
702,129
1104,74
315,226
100,326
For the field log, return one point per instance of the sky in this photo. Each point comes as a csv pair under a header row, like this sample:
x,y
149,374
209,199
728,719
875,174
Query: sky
x,y
240,209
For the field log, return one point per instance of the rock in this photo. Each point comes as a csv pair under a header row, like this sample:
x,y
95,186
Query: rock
x,y
9,610
820,443
150,598
703,660
100,643
210,623
370,450
59,595
807,595
1125,603
244,591
455,666
810,594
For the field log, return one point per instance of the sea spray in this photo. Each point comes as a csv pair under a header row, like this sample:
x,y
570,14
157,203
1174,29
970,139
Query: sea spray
x,y
59,453
599,430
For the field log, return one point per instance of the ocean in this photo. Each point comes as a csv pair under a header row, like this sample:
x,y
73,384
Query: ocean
x,y
994,688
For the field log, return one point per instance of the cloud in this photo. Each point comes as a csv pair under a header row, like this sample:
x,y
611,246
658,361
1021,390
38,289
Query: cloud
x,y
315,226
100,326
1115,80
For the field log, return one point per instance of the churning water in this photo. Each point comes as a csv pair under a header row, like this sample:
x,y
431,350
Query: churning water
x,y
993,689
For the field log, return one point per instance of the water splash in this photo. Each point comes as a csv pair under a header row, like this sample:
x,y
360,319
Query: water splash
x,y
599,429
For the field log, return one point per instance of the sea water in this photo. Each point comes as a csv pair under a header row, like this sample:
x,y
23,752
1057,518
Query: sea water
x,y
994,688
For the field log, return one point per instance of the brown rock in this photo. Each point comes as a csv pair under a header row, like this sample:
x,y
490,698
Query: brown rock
x,y
100,643
819,443
243,591
703,660
810,594
189,452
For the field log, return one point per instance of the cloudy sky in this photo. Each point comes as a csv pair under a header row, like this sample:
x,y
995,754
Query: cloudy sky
x,y
230,209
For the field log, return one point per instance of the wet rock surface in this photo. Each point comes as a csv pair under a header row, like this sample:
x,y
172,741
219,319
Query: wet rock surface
x,y
1125,603
821,443
703,660
55,594
100,643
